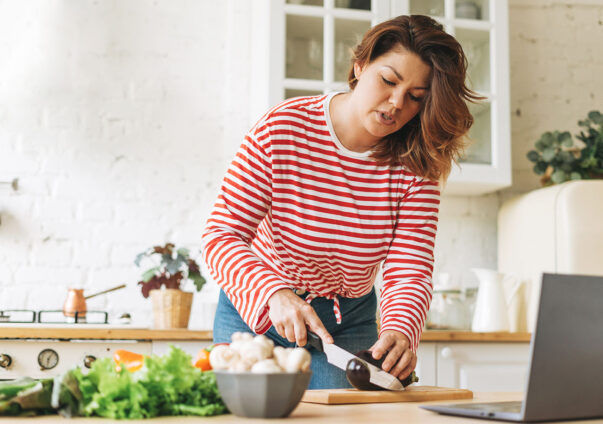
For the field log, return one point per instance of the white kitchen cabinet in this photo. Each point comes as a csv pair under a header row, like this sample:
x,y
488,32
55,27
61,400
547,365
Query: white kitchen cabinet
x,y
426,364
480,367
301,47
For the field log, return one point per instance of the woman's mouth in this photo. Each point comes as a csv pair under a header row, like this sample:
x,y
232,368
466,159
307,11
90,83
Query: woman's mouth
x,y
385,118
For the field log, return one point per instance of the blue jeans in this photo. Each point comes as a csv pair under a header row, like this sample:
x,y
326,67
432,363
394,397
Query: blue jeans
x,y
357,331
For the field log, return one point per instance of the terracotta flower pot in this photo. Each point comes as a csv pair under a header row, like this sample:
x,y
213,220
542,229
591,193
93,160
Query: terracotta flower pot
x,y
171,308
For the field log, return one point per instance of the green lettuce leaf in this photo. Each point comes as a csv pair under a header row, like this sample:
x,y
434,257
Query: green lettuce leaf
x,y
166,385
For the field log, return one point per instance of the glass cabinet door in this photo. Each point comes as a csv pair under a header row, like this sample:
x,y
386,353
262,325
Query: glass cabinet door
x,y
320,35
481,26
472,9
348,33
303,47
427,7
476,45
469,21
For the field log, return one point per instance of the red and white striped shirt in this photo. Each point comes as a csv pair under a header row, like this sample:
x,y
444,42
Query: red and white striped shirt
x,y
299,210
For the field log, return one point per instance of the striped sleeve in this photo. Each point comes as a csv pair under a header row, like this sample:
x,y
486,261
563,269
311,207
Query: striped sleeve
x,y
407,270
244,200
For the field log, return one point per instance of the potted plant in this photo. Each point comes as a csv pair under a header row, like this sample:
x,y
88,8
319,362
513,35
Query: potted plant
x,y
163,283
558,159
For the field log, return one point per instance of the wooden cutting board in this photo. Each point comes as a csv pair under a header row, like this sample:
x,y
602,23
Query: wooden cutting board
x,y
411,394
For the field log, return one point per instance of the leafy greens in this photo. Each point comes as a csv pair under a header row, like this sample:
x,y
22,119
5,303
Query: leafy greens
x,y
165,385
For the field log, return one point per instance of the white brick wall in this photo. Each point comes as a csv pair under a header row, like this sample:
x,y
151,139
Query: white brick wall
x,y
119,119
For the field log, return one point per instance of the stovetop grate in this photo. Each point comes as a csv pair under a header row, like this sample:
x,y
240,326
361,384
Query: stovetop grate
x,y
28,316
86,317
21,316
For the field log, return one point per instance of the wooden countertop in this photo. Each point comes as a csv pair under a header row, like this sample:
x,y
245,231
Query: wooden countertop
x,y
51,331
83,332
408,413
469,336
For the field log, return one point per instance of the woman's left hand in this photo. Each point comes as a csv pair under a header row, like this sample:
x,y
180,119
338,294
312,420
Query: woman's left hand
x,y
400,360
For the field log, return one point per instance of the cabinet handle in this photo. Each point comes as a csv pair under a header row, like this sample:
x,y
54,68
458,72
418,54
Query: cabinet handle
x,y
446,353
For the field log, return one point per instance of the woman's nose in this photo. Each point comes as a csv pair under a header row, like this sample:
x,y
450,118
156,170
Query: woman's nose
x,y
397,99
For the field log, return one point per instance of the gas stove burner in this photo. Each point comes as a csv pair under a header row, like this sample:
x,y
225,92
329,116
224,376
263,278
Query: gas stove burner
x,y
17,316
87,317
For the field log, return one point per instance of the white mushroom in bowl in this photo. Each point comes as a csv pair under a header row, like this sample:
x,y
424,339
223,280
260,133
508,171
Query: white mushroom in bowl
x,y
259,355
293,359
298,360
266,366
222,356
242,365
240,340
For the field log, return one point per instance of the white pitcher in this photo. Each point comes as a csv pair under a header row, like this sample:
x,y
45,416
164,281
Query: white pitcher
x,y
491,312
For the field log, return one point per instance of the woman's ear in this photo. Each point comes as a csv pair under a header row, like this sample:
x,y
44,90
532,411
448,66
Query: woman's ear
x,y
357,70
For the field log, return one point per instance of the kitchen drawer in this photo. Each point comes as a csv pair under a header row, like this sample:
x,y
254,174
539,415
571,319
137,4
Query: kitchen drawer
x,y
480,367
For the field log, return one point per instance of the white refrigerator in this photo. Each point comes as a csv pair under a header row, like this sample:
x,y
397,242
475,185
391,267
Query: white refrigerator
x,y
557,229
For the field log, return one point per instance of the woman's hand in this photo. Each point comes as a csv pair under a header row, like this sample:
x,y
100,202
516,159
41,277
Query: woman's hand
x,y
290,316
400,360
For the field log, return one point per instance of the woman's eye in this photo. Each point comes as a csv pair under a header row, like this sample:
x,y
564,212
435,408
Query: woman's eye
x,y
388,82
415,99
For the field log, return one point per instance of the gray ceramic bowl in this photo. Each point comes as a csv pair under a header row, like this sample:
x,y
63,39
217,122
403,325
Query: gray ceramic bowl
x,y
253,395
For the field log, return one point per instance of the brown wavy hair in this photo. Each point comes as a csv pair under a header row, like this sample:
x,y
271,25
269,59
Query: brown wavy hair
x,y
429,143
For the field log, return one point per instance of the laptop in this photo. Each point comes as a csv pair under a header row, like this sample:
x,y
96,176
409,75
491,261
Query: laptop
x,y
565,380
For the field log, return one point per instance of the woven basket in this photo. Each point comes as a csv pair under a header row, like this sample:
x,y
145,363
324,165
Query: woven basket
x,y
171,308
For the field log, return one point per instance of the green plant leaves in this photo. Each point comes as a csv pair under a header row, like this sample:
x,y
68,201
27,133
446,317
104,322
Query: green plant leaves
x,y
150,273
198,280
565,138
139,258
596,117
533,156
172,266
548,154
559,176
555,151
540,168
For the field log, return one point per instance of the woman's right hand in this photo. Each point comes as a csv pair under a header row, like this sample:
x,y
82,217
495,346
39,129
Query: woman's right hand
x,y
290,316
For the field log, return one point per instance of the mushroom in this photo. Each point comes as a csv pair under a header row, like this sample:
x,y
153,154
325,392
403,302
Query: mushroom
x,y
255,351
241,336
266,366
240,340
263,340
222,356
242,365
266,344
298,360
280,355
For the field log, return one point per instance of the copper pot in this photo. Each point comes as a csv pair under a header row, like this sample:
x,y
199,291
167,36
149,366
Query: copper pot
x,y
76,301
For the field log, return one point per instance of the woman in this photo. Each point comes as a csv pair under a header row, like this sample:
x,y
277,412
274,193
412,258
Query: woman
x,y
326,189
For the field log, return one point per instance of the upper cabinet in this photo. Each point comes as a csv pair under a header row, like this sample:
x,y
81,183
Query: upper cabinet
x,y
302,47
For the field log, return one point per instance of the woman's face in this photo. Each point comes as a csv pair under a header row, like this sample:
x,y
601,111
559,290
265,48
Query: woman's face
x,y
390,91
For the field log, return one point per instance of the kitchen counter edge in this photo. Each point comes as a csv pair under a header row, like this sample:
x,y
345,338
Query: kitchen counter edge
x,y
36,332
